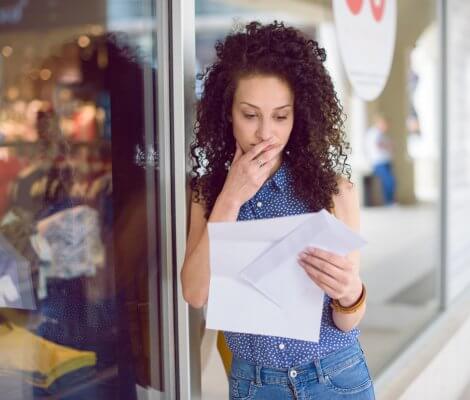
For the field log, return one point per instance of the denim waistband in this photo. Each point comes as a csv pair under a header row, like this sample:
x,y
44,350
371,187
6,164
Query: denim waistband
x,y
315,369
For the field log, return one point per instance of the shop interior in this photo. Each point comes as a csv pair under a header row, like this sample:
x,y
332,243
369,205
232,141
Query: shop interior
x,y
74,187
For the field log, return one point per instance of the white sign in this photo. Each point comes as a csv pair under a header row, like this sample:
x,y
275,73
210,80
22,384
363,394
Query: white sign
x,y
366,32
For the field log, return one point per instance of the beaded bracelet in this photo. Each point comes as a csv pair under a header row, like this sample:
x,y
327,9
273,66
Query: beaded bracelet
x,y
335,304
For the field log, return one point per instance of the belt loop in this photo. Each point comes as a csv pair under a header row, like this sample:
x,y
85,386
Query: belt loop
x,y
258,375
321,376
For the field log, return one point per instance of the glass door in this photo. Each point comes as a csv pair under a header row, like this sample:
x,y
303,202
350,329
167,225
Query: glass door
x,y
85,234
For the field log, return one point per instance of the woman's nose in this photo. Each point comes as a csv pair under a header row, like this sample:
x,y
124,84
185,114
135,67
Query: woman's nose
x,y
264,131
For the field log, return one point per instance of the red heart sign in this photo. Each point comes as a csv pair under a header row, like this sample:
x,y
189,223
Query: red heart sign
x,y
355,5
378,7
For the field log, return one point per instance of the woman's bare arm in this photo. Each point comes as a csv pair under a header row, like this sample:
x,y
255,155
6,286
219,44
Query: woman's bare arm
x,y
244,179
347,210
195,274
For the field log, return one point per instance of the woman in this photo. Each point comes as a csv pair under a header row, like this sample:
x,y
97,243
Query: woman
x,y
269,143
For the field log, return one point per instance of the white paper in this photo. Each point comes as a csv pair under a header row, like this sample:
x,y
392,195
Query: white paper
x,y
256,284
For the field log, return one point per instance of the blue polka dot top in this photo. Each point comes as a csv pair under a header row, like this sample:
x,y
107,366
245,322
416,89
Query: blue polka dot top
x,y
276,198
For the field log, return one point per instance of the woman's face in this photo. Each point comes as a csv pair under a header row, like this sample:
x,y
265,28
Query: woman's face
x,y
263,107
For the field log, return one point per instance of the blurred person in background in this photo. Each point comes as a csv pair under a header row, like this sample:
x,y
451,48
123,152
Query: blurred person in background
x,y
379,148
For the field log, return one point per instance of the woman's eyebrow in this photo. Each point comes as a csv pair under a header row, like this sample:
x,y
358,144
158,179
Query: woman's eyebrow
x,y
276,108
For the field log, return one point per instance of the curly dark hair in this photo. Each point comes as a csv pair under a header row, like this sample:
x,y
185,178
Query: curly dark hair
x,y
316,150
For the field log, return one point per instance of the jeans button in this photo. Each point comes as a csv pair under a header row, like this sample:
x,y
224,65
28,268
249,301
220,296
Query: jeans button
x,y
293,373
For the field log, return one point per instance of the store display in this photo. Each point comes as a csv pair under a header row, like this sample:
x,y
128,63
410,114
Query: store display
x,y
9,168
55,119
74,239
15,284
37,361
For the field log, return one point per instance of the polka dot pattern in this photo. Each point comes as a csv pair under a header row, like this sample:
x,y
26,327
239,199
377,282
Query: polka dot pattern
x,y
276,198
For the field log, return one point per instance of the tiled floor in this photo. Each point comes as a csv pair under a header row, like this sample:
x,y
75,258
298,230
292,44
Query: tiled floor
x,y
399,267
214,380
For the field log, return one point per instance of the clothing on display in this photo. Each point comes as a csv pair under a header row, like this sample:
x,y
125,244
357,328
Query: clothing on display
x,y
89,337
69,319
84,124
43,250
29,187
18,226
16,289
9,169
38,361
74,239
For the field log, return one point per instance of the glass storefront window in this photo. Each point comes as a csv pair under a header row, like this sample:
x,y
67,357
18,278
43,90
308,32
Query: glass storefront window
x,y
81,308
400,266
458,149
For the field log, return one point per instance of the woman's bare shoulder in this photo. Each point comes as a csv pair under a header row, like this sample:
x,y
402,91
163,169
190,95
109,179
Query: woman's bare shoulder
x,y
197,223
347,189
346,202
198,208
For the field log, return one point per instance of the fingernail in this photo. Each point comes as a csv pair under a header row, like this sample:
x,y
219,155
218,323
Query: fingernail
x,y
311,249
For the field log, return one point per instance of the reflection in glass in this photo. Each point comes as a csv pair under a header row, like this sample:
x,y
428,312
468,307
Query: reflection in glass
x,y
74,248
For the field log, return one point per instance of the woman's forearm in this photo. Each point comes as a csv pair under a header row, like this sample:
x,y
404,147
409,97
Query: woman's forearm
x,y
195,274
346,322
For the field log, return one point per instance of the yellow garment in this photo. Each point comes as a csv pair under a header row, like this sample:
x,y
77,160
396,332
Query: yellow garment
x,y
224,352
39,361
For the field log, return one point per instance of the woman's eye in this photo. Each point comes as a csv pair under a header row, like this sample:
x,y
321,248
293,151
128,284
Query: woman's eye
x,y
281,118
249,116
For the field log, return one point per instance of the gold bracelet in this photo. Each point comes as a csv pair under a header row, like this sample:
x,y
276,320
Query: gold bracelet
x,y
336,305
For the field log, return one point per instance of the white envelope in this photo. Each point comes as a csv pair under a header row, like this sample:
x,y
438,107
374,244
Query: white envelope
x,y
256,284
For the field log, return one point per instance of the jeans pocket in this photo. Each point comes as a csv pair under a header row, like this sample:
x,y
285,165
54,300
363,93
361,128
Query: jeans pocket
x,y
351,377
241,389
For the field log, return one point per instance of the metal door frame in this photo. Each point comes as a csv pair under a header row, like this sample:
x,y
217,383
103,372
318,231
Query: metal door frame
x,y
166,289
183,56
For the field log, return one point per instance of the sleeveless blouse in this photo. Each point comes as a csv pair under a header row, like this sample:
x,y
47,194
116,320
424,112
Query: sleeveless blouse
x,y
276,198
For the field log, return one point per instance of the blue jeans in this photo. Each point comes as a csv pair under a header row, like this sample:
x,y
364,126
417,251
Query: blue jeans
x,y
341,375
385,174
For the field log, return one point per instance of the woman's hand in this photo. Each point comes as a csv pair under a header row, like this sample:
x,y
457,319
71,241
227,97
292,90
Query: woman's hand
x,y
249,171
337,276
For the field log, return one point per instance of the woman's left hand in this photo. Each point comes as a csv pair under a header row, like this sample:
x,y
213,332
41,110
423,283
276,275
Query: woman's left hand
x,y
336,275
